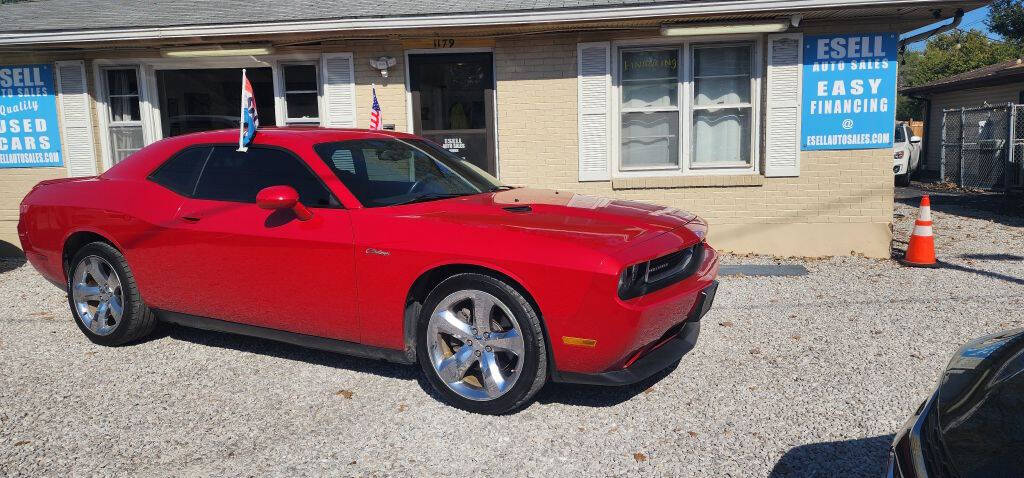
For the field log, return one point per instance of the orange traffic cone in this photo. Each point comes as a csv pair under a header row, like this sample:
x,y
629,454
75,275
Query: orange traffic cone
x,y
921,249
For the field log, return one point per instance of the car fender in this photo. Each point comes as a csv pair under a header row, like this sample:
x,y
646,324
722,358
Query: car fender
x,y
59,258
518,281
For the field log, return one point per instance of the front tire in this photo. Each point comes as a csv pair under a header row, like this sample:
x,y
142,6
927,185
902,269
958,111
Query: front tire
x,y
480,344
104,297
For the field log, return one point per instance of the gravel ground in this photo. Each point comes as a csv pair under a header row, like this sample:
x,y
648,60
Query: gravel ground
x,y
806,376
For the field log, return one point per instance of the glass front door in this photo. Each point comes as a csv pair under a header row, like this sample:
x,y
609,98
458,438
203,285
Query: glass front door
x,y
208,99
453,103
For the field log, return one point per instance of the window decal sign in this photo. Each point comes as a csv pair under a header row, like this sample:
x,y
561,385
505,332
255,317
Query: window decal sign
x,y
849,91
29,132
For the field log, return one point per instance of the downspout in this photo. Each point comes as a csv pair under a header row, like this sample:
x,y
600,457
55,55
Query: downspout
x,y
957,18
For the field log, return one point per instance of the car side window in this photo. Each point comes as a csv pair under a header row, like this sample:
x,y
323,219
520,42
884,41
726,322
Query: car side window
x,y
232,175
179,174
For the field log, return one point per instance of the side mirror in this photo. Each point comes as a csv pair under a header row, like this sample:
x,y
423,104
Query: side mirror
x,y
283,197
915,139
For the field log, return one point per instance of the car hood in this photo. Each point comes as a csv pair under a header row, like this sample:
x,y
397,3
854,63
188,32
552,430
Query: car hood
x,y
609,223
980,396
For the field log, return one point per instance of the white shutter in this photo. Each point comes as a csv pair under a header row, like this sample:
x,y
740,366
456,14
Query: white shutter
x,y
782,119
339,90
75,121
593,95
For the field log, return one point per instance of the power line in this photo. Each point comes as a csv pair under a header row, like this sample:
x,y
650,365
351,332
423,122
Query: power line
x,y
993,40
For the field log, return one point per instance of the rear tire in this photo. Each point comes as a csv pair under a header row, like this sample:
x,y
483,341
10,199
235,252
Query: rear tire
x,y
104,297
493,362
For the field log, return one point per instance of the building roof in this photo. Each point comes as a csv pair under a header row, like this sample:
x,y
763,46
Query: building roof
x,y
51,21
998,74
99,14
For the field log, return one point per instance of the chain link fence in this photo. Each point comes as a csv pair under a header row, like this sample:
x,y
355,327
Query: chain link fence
x,y
976,145
1015,160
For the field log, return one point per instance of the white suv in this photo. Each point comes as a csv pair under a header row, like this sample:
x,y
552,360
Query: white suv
x,y
906,154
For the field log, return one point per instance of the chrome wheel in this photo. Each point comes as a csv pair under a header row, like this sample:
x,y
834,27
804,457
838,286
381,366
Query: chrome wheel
x,y
475,344
97,295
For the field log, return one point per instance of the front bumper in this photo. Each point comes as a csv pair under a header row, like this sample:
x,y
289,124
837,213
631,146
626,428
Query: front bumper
x,y
661,355
900,166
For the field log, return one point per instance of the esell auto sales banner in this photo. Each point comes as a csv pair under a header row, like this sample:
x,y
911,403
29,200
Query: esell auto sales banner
x,y
29,133
849,91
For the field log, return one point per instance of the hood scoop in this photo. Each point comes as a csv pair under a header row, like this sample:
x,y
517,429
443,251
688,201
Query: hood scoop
x,y
518,209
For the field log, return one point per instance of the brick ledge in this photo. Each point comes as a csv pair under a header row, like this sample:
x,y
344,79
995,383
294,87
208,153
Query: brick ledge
x,y
734,180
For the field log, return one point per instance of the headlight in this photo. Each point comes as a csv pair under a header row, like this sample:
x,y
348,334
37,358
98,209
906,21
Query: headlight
x,y
898,155
660,272
631,282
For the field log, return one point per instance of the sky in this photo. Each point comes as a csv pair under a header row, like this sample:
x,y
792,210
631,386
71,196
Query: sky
x,y
974,19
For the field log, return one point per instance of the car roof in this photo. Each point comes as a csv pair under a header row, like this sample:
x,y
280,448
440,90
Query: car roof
x,y
143,162
276,135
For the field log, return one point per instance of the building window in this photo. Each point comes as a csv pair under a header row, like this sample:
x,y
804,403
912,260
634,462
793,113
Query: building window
x,y
687,108
722,109
650,109
301,93
124,117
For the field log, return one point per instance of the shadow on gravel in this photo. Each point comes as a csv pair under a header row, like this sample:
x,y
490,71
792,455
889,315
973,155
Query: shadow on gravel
x,y
596,395
10,251
1001,208
898,254
850,458
992,257
282,350
570,394
8,264
972,270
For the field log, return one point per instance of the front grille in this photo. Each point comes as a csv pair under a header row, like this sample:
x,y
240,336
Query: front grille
x,y
678,265
936,460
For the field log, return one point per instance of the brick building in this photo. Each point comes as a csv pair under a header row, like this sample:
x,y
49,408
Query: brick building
x,y
689,104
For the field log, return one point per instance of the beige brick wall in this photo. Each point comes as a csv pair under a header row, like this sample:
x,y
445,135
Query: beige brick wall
x,y
391,95
16,182
14,185
840,204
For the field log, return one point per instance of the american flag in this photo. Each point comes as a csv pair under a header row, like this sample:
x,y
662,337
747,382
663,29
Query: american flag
x,y
375,112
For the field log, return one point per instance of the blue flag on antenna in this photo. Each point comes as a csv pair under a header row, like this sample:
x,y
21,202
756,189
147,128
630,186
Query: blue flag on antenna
x,y
250,119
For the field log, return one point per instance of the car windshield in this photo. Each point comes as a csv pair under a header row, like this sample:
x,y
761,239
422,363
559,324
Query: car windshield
x,y
392,171
899,136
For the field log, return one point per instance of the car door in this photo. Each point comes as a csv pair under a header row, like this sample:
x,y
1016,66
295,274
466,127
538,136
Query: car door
x,y
240,263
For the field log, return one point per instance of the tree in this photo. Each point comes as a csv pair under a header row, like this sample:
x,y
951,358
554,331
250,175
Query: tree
x,y
1006,19
945,55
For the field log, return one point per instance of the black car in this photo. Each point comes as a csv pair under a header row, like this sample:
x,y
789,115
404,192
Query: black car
x,y
973,425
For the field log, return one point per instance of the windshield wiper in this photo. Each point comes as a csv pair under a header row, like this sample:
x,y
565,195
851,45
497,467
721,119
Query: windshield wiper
x,y
502,188
429,197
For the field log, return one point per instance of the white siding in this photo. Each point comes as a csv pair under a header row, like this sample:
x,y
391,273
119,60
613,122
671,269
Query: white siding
x,y
339,91
782,118
76,120
594,79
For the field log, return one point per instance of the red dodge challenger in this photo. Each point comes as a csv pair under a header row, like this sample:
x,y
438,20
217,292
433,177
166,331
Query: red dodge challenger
x,y
381,245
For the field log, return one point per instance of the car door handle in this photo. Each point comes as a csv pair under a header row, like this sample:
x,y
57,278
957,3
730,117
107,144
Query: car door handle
x,y
190,218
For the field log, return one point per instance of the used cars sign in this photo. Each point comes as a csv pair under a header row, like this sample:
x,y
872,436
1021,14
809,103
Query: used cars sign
x,y
849,91
29,134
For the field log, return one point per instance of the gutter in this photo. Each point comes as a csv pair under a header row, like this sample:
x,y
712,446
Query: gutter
x,y
457,20
957,18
